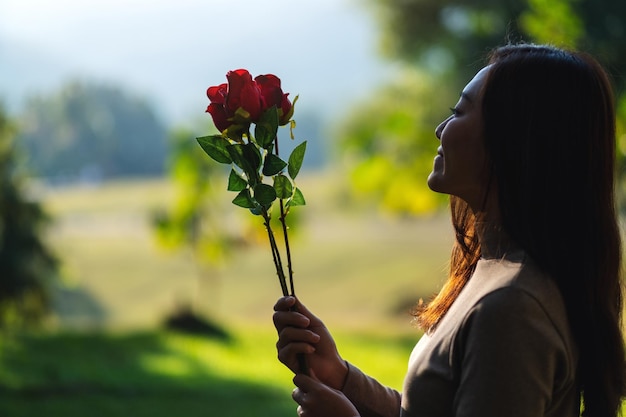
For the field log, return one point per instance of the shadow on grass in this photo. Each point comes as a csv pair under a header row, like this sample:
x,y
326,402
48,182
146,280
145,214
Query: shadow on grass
x,y
185,321
102,375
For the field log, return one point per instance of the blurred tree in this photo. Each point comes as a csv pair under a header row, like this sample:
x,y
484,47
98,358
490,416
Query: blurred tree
x,y
388,142
552,21
27,267
194,218
90,131
459,33
195,221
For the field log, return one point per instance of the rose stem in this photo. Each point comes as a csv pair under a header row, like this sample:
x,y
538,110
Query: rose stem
x,y
275,254
283,222
302,362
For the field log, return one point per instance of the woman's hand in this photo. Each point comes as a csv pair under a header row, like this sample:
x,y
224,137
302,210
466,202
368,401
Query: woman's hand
x,y
300,332
318,400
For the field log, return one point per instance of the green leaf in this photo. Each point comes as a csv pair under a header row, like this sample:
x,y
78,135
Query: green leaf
x,y
236,154
215,146
283,187
264,194
266,128
295,159
248,158
235,182
257,211
244,199
298,199
252,155
273,165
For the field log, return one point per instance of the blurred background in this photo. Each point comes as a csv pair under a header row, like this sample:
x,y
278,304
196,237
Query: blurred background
x,y
130,285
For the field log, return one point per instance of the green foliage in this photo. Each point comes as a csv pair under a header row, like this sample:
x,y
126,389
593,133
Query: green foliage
x,y
445,35
193,220
295,159
253,158
89,129
27,266
454,35
215,147
159,374
266,129
553,21
273,165
389,143
621,152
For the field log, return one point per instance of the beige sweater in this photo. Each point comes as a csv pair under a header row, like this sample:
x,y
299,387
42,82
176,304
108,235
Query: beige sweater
x,y
504,349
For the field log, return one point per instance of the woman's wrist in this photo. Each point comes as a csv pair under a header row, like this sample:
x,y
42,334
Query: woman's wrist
x,y
338,379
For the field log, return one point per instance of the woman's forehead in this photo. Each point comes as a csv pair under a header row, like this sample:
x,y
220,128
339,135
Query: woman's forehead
x,y
472,90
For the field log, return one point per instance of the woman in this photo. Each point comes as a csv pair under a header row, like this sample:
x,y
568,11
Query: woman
x,y
528,323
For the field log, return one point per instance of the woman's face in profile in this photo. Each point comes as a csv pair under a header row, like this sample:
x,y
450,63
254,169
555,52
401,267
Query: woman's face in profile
x,y
459,168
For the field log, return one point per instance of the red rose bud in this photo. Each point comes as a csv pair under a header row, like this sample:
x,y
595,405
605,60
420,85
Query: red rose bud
x,y
273,95
270,90
217,95
285,110
220,118
243,93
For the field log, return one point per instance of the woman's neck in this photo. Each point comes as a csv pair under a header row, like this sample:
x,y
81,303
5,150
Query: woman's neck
x,y
495,243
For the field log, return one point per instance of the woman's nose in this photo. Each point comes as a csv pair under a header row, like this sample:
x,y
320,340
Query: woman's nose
x,y
439,128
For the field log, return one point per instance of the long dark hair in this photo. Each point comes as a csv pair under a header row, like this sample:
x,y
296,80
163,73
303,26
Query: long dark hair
x,y
550,138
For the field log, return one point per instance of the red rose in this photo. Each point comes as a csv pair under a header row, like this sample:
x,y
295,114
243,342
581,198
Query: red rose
x,y
253,96
217,95
273,95
243,93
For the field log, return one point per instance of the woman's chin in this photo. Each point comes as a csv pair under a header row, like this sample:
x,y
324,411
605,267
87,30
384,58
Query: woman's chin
x,y
434,182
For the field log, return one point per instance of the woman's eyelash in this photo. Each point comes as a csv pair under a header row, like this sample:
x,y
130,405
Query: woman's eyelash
x,y
454,110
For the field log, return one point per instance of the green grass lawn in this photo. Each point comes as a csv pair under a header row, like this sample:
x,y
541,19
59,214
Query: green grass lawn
x,y
106,354
352,266
157,373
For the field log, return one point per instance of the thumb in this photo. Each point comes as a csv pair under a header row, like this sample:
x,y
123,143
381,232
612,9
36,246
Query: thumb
x,y
301,308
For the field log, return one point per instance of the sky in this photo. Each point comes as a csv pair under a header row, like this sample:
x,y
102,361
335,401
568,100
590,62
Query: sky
x,y
171,51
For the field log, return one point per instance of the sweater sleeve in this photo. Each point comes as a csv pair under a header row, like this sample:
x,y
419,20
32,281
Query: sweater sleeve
x,y
512,359
371,398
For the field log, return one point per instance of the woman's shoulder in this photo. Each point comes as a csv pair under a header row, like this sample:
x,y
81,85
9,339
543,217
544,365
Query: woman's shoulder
x,y
520,295
514,275
510,292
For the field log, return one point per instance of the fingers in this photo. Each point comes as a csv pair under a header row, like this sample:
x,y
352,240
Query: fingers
x,y
288,354
289,303
301,308
284,303
284,319
285,316
290,335
298,395
306,383
292,342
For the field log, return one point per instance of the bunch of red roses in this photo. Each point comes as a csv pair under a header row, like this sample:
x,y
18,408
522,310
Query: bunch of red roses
x,y
243,100
234,107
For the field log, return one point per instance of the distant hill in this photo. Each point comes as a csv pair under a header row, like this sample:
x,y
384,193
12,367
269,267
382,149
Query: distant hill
x,y
24,70
173,60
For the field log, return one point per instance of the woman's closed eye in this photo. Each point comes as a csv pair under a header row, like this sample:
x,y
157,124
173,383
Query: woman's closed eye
x,y
455,111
